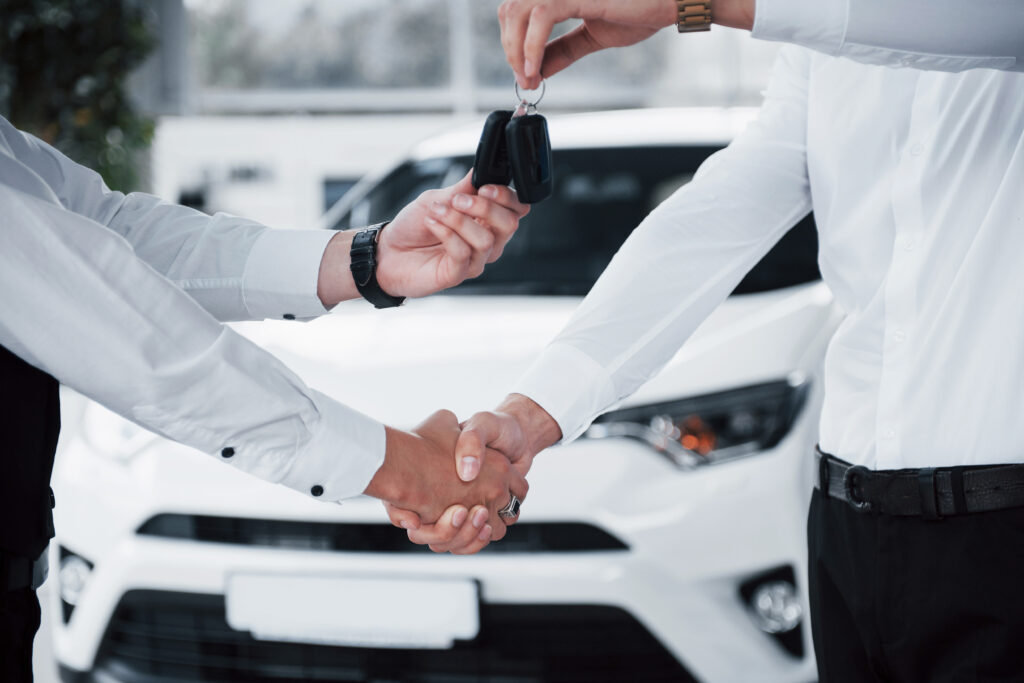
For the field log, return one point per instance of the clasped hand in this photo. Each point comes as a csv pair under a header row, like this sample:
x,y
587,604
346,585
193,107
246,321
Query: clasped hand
x,y
424,495
492,450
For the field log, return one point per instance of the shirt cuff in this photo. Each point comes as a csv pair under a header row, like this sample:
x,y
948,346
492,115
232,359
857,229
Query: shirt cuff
x,y
817,24
346,451
570,385
282,272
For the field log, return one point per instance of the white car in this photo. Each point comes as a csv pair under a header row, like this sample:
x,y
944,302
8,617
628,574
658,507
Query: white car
x,y
667,544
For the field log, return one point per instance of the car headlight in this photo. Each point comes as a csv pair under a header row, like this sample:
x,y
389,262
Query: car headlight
x,y
110,434
707,429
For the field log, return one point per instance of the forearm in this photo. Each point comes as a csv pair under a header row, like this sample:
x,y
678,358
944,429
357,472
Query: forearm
x,y
681,262
81,306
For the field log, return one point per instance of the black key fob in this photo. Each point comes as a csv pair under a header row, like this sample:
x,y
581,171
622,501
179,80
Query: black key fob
x,y
529,156
491,164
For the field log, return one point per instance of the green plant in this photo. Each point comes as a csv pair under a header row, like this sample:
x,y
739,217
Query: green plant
x,y
64,65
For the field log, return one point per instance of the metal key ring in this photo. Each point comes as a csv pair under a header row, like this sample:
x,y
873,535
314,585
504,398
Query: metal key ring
x,y
543,89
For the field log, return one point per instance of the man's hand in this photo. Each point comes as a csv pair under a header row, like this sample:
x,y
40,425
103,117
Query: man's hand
x,y
526,26
442,238
519,429
418,475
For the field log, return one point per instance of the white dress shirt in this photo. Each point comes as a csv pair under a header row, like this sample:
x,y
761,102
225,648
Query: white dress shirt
x,y
119,297
916,178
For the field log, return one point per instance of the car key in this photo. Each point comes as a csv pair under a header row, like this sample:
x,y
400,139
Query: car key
x,y
515,148
491,166
529,155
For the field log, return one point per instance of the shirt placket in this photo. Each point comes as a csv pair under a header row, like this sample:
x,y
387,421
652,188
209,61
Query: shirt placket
x,y
905,270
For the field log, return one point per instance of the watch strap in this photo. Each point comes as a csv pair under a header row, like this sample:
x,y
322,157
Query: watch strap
x,y
694,15
363,256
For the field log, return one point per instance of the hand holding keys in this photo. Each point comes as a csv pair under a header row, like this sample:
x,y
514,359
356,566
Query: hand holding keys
x,y
514,146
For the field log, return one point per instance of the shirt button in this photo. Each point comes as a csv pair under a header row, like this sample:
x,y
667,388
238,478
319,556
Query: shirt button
x,y
317,490
227,452
908,244
916,149
899,335
889,434
907,60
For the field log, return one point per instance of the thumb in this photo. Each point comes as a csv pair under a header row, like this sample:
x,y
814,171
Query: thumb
x,y
469,450
464,186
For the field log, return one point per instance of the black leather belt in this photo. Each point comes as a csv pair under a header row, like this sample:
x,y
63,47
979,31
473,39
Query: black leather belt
x,y
931,493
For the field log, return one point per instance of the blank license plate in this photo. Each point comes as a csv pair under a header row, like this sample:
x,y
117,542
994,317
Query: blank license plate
x,y
354,611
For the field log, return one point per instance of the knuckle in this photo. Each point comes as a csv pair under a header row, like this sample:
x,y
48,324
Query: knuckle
x,y
445,414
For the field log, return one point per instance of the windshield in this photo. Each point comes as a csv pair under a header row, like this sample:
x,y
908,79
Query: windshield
x,y
566,241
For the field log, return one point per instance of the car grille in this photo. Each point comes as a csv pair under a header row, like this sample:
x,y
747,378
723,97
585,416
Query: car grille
x,y
162,636
531,537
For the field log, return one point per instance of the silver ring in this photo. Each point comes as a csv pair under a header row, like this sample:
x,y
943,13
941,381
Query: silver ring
x,y
511,511
543,89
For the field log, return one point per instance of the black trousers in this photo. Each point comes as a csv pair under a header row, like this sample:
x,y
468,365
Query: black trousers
x,y
905,599
19,621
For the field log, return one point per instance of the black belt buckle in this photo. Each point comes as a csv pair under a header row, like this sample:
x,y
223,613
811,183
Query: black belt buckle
x,y
859,504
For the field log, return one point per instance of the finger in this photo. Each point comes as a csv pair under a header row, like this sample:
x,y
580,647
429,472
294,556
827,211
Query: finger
x,y
564,50
480,240
466,538
505,196
454,246
460,219
499,523
481,541
465,185
406,519
445,530
537,33
501,222
514,17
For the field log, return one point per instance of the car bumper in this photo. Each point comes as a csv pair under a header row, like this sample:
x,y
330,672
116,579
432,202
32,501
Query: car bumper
x,y
693,539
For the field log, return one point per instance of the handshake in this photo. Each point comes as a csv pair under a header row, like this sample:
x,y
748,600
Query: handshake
x,y
457,486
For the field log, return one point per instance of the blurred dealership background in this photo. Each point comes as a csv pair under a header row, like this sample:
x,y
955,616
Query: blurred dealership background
x,y
273,109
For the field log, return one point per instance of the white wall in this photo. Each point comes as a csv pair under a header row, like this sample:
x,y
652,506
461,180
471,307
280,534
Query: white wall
x,y
292,155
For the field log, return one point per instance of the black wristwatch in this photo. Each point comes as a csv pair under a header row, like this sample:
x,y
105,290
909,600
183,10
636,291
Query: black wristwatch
x,y
363,256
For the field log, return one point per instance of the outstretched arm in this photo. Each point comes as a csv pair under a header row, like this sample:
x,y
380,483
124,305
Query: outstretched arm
x,y
941,35
672,272
238,269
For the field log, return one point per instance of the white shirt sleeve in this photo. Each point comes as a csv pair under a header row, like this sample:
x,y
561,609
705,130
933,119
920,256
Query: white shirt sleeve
x,y
235,268
79,304
940,35
682,261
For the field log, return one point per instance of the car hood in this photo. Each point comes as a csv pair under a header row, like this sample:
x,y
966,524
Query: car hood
x,y
465,353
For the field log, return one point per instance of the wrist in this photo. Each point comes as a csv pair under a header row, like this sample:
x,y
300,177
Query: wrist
x,y
538,427
334,282
395,480
387,268
733,13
